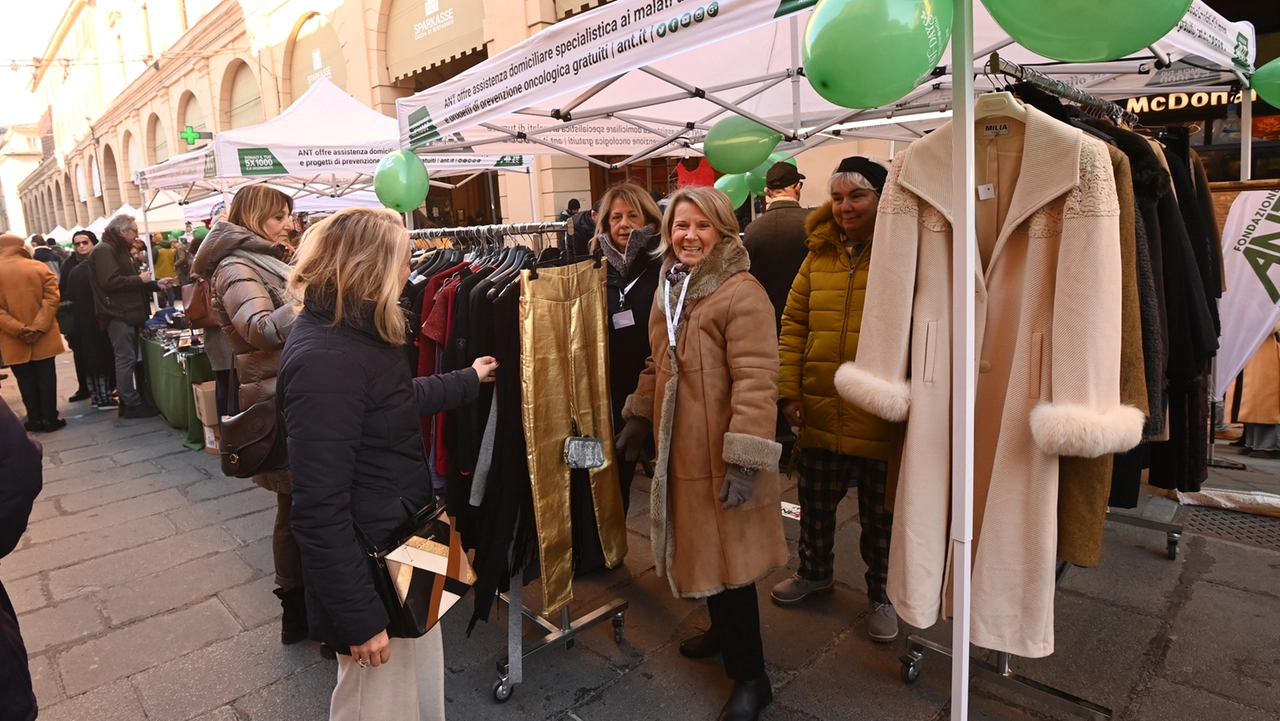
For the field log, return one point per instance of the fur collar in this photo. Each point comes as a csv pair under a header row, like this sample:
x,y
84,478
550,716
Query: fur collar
x,y
641,240
822,229
1151,181
728,258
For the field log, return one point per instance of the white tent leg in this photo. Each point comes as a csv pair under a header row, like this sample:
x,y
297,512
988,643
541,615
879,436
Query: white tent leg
x,y
1246,133
146,238
533,197
964,269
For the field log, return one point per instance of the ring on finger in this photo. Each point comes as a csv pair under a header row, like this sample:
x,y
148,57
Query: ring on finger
x,y
363,663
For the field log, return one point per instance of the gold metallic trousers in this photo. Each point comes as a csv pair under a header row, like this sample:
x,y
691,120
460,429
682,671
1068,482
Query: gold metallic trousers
x,y
564,376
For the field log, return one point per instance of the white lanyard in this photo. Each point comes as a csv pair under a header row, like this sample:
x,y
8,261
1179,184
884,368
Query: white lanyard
x,y
666,303
630,285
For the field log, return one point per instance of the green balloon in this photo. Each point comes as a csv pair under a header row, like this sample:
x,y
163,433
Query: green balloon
x,y
1266,80
778,158
199,232
756,176
736,145
400,181
867,53
175,234
734,186
1086,31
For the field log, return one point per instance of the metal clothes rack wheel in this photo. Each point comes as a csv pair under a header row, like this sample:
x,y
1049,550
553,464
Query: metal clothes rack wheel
x,y
1172,531
511,668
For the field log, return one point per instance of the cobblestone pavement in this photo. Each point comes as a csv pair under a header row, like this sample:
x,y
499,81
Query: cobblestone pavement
x,y
144,591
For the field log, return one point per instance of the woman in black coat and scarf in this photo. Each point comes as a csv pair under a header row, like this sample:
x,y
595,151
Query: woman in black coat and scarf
x,y
627,233
90,345
355,448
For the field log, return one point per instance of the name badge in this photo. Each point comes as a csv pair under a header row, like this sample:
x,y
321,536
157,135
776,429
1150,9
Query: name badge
x,y
623,319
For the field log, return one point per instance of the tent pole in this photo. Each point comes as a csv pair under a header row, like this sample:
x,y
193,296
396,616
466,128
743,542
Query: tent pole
x,y
795,76
1246,132
533,197
146,238
963,363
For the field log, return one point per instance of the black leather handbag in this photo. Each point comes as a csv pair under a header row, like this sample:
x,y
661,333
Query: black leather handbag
x,y
253,440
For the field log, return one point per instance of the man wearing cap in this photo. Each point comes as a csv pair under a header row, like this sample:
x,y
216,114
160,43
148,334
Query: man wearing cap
x,y
841,445
776,240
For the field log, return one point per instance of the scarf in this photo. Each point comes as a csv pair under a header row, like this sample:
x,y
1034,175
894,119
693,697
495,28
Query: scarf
x,y
636,244
272,265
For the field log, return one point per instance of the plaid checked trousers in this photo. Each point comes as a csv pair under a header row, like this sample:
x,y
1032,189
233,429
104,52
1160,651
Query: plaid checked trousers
x,y
825,477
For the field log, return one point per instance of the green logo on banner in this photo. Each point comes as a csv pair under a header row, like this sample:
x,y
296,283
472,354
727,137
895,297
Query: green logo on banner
x,y
1241,54
210,166
1262,251
786,7
421,128
260,161
142,181
509,161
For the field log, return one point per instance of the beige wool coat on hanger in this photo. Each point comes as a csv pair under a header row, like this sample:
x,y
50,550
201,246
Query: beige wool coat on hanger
x,y
1048,355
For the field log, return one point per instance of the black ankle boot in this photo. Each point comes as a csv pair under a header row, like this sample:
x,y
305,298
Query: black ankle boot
x,y
293,624
704,645
747,700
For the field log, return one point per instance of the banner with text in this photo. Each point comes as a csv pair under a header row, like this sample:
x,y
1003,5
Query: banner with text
x,y
1250,309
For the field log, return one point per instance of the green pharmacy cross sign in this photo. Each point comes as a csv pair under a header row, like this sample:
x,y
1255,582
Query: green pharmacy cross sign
x,y
190,135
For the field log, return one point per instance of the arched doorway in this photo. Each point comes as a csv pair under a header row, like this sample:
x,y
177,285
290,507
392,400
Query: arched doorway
x,y
132,163
96,203
241,97
158,141
59,206
315,53
81,197
191,116
110,181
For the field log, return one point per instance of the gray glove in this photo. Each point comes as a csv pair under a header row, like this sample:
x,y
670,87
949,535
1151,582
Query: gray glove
x,y
630,442
739,486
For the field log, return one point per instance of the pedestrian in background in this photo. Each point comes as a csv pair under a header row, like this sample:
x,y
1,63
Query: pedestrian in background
x,y
841,445
246,260
81,244
21,478
352,409
163,258
90,344
29,333
61,252
777,241
120,294
711,390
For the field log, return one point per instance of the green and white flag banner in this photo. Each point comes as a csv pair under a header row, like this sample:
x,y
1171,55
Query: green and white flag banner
x,y
1250,309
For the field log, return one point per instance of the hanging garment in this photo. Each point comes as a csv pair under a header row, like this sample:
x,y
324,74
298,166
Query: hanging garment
x,y
565,387
1048,337
1084,484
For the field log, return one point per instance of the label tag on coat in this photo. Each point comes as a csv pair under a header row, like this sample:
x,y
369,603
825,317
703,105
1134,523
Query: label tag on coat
x,y
986,192
995,129
623,319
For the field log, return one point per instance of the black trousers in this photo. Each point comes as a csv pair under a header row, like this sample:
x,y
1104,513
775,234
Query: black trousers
x,y
38,384
17,700
735,616
626,474
83,381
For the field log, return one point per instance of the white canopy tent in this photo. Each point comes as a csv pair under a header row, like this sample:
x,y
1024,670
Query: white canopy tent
x,y
60,234
200,210
97,226
640,78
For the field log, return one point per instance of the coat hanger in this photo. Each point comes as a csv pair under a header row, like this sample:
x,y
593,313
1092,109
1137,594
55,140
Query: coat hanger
x,y
999,104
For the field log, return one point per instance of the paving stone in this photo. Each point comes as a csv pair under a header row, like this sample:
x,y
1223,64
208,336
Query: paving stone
x,y
44,681
56,625
26,594
85,500
170,447
146,644
260,555
795,635
106,516
118,568
666,686
230,669
217,487
149,442
195,515
76,549
1166,701
1134,565
654,619
252,527
174,587
42,509
224,713
303,696
1242,567
73,472
253,603
116,702
1228,640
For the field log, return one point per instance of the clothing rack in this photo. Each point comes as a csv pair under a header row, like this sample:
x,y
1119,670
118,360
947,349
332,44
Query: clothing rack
x,y
999,672
491,232
1117,114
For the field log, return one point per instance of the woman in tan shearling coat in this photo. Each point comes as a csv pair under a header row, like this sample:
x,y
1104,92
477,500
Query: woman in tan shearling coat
x,y
712,385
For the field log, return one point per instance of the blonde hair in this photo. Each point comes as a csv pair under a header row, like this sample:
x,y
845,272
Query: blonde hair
x,y
632,194
713,203
356,255
254,204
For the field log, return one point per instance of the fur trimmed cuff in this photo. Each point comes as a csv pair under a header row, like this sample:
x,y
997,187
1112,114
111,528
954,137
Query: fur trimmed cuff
x,y
747,451
891,400
1070,429
637,406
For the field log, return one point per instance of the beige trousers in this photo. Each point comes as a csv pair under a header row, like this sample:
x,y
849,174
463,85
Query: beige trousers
x,y
409,687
